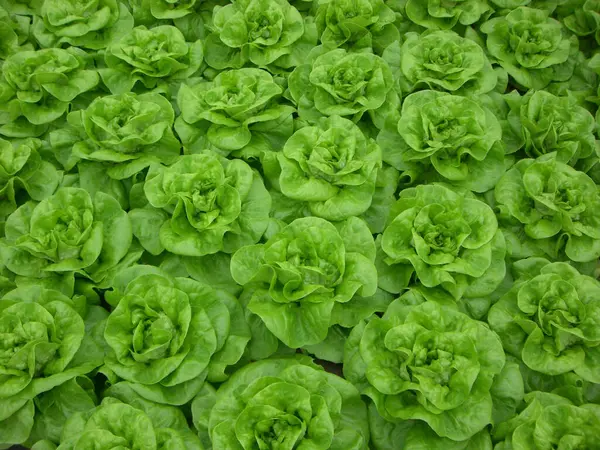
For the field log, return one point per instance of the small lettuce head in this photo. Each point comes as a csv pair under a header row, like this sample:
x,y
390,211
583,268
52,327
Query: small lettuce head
x,y
126,421
304,278
460,138
550,319
556,124
428,363
344,84
288,403
201,205
443,242
69,232
356,24
548,208
37,88
443,61
533,48
167,335
332,166
126,132
230,110
437,15
88,24
550,421
261,32
46,343
152,57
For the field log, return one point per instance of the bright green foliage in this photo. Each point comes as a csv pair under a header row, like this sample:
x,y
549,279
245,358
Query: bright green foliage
x,y
429,363
288,403
549,208
125,132
344,84
152,57
168,335
550,421
556,124
68,232
533,48
23,169
438,15
88,23
550,319
307,275
441,60
201,205
125,421
356,24
445,242
230,110
37,86
261,32
461,139
212,210
332,166
44,345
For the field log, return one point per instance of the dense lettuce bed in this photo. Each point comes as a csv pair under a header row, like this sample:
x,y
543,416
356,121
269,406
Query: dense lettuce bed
x,y
296,224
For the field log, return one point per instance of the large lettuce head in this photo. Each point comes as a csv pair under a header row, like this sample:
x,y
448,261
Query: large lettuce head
x,y
288,403
230,110
306,275
69,232
153,57
461,139
261,32
202,204
429,363
551,319
442,241
168,335
83,23
344,84
332,166
39,86
550,421
533,48
127,132
547,207
45,344
442,60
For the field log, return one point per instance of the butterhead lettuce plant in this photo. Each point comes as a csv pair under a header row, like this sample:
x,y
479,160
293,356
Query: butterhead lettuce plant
x,y
444,242
260,32
332,167
548,208
230,110
69,232
46,342
533,48
427,363
306,276
549,319
288,403
455,136
152,57
344,84
167,336
37,87
201,205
